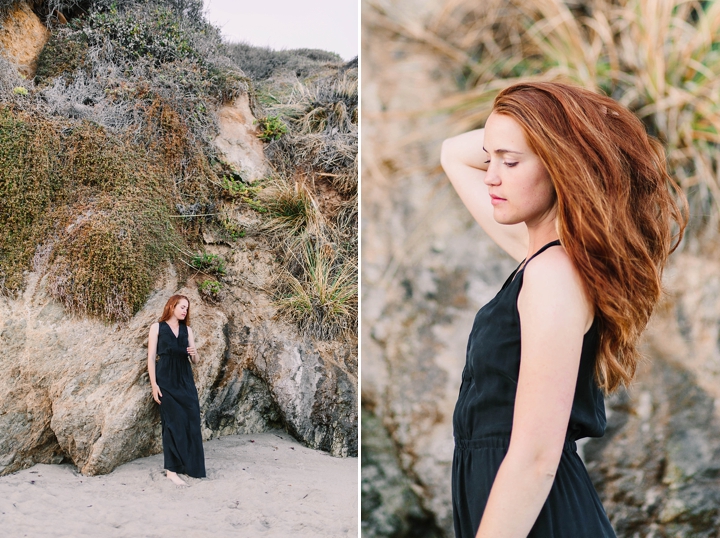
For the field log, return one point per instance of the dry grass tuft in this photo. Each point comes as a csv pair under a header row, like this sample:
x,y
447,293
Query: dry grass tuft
x,y
323,297
292,210
323,137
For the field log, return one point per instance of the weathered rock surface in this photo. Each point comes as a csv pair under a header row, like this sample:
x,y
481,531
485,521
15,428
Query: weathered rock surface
x,y
237,139
427,268
390,507
658,465
77,389
22,37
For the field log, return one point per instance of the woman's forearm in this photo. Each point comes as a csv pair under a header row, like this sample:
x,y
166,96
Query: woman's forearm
x,y
151,369
518,493
466,150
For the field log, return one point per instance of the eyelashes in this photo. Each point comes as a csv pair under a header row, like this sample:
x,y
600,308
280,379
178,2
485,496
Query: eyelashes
x,y
509,165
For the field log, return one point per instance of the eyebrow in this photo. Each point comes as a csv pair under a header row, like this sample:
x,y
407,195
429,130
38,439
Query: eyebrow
x,y
501,151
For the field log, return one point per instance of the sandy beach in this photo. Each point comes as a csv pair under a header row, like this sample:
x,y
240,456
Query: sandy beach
x,y
257,485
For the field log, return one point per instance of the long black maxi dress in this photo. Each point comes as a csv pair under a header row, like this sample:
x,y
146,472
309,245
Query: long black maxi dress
x,y
483,417
179,406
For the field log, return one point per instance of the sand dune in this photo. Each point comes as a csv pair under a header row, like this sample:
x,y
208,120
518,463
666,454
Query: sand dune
x,y
258,485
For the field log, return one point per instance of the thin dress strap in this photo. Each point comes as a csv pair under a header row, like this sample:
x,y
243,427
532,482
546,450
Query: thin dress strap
x,y
524,263
543,249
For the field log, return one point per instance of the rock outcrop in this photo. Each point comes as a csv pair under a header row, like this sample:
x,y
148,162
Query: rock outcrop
x,y
237,139
427,268
77,389
22,37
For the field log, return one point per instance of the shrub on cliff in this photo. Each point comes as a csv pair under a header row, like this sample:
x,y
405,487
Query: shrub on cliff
x,y
261,63
315,201
91,209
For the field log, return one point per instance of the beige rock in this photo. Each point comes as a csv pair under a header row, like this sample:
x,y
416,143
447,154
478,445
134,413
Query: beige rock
x,y
22,38
78,389
238,140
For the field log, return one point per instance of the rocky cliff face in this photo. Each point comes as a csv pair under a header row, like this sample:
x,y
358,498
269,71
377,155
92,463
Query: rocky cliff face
x,y
76,389
427,268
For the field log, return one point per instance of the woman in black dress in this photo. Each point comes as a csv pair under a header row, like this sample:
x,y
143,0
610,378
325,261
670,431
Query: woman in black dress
x,y
568,180
173,388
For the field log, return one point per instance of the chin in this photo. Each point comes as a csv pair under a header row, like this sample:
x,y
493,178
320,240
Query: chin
x,y
502,219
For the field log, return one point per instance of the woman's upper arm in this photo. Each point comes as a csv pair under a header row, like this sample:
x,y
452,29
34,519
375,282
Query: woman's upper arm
x,y
153,339
554,316
463,159
191,337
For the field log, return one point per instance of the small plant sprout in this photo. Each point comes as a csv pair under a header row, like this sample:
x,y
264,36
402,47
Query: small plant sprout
x,y
210,290
208,264
271,128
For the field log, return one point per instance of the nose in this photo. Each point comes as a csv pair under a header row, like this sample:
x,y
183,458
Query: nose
x,y
491,176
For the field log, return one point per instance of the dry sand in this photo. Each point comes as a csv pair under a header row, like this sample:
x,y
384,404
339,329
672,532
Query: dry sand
x,y
257,485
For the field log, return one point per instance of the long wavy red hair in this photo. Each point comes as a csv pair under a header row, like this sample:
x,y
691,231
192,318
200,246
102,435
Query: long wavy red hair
x,y
617,207
170,306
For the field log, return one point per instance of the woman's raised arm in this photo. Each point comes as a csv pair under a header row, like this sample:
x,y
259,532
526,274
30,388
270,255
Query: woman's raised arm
x,y
464,161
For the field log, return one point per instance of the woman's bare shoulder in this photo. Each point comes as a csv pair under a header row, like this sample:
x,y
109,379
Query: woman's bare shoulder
x,y
552,278
553,263
155,328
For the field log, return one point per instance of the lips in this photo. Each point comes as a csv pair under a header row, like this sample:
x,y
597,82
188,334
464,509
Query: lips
x,y
494,200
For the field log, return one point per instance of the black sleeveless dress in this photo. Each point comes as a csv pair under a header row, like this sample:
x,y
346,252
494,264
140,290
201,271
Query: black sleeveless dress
x,y
179,406
483,418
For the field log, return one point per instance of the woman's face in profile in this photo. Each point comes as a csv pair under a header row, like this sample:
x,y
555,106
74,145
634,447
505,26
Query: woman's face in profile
x,y
519,186
181,308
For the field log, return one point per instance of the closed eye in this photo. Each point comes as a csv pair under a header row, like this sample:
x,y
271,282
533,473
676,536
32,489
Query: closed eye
x,y
510,165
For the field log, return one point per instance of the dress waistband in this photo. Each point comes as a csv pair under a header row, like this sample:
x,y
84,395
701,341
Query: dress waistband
x,y
499,442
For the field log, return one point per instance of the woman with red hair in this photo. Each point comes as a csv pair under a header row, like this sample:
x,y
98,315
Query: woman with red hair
x,y
173,343
569,182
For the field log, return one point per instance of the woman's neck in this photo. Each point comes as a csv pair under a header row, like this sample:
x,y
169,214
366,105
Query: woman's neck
x,y
540,234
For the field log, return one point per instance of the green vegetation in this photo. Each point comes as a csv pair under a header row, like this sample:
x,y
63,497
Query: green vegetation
x,y
292,208
322,299
210,264
271,128
65,53
210,290
91,207
322,116
261,63
313,202
233,231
